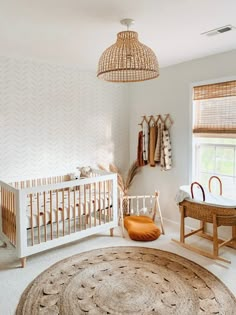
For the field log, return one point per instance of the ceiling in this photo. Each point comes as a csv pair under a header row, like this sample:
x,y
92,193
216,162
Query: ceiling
x,y
78,31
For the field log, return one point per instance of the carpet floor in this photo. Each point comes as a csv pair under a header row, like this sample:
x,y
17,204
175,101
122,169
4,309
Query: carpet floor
x,y
126,280
14,279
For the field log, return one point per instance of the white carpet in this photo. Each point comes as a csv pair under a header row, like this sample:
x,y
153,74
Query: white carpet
x,y
14,280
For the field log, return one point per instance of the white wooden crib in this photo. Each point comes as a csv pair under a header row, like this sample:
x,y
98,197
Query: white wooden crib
x,y
39,214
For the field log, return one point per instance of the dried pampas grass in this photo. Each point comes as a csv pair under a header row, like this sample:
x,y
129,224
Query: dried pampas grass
x,y
124,184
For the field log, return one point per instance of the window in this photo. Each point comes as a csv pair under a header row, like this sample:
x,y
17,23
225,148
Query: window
x,y
214,135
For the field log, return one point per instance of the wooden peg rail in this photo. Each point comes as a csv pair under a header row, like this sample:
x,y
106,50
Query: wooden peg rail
x,y
157,119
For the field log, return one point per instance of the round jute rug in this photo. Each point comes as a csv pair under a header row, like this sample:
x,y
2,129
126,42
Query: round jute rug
x,y
126,280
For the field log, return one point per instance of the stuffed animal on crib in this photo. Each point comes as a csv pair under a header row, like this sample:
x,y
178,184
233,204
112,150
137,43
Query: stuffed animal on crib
x,y
74,176
85,171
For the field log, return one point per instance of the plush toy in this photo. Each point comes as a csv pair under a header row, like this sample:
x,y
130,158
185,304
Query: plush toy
x,y
75,175
85,171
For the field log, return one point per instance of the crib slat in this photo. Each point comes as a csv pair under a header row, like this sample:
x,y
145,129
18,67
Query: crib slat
x,y
74,212
44,217
6,212
69,210
8,215
3,210
57,214
100,209
85,207
111,200
104,201
63,213
14,210
31,220
51,223
5,206
11,215
79,208
108,200
95,204
90,205
38,218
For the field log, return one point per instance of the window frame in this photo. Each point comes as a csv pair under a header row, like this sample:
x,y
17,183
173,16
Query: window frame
x,y
192,155
215,146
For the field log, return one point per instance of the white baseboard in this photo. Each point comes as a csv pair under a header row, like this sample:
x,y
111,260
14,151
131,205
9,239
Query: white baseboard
x,y
224,232
188,227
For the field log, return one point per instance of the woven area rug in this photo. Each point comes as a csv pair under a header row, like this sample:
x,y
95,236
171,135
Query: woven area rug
x,y
126,280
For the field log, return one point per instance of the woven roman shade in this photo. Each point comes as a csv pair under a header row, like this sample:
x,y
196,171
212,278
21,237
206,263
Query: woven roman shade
x,y
215,108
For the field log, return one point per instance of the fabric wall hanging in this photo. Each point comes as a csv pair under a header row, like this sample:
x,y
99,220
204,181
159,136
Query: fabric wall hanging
x,y
154,145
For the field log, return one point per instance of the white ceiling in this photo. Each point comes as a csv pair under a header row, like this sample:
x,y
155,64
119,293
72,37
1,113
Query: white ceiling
x,y
78,31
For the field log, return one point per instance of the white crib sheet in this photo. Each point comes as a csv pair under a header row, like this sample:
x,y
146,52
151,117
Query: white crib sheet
x,y
81,207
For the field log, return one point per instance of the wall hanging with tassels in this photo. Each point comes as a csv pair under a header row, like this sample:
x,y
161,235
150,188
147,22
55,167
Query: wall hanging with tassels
x,y
154,145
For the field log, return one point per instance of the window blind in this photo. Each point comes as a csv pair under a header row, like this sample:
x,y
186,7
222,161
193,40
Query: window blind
x,y
215,108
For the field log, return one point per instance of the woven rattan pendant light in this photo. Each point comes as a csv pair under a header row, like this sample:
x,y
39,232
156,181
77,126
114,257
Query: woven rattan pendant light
x,y
128,60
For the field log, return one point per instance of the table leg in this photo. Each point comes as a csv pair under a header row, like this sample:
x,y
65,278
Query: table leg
x,y
182,229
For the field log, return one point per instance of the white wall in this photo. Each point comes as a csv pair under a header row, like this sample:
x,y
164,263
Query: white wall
x,y
170,93
54,118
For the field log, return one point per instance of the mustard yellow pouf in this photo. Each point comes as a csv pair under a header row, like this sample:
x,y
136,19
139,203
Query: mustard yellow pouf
x,y
141,228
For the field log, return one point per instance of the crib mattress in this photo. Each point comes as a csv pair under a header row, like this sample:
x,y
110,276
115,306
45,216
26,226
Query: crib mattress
x,y
77,208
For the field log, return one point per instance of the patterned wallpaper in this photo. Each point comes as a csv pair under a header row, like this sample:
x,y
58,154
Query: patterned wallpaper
x,y
54,118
